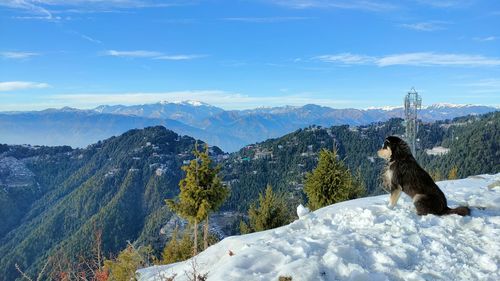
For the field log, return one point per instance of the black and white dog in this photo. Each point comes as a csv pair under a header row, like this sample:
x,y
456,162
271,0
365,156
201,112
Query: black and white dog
x,y
402,173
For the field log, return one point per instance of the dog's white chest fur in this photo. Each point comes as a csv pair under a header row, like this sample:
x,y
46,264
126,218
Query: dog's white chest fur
x,y
387,177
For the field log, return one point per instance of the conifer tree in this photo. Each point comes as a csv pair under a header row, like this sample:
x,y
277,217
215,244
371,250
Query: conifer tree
x,y
453,174
436,175
270,212
201,192
331,182
127,262
176,250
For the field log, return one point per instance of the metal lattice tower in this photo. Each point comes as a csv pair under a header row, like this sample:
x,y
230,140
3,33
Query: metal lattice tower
x,y
413,102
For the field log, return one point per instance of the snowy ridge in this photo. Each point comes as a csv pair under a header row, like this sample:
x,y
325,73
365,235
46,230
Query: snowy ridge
x,y
362,239
194,103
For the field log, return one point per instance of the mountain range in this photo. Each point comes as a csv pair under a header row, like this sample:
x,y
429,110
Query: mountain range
x,y
227,129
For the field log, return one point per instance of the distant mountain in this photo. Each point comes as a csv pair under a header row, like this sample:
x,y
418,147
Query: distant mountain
x,y
79,128
228,129
188,112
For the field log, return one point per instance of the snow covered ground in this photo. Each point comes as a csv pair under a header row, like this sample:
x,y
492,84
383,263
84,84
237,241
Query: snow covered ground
x,y
364,240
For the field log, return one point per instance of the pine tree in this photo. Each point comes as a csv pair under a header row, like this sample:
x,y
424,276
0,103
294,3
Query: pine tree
x,y
453,174
270,212
125,265
436,175
176,250
201,192
331,182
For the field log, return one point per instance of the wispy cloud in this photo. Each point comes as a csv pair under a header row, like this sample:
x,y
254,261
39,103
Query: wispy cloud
x,y
45,9
486,39
151,55
411,59
17,55
265,19
21,85
179,57
133,54
366,5
446,3
28,6
346,58
426,26
437,59
90,39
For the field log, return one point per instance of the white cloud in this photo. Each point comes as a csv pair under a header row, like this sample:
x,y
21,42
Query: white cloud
x,y
133,54
152,55
346,58
486,39
366,5
17,55
90,39
31,7
412,59
426,26
21,85
265,19
446,3
179,57
437,59
45,9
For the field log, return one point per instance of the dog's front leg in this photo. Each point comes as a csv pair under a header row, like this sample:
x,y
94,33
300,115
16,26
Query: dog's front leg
x,y
393,199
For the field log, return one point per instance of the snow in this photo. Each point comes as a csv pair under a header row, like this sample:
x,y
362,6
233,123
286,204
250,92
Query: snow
x,y
302,211
186,102
384,108
437,150
363,239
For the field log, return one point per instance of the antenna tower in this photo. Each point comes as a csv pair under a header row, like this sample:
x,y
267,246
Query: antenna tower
x,y
413,102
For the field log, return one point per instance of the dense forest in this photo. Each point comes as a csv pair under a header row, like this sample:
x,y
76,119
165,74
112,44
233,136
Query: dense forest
x,y
52,199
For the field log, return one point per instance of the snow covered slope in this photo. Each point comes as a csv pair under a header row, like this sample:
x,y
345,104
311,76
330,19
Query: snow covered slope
x,y
364,240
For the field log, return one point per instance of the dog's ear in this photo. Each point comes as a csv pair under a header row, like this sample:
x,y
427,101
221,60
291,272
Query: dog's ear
x,y
400,148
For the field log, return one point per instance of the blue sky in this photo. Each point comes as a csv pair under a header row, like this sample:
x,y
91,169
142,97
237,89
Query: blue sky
x,y
246,54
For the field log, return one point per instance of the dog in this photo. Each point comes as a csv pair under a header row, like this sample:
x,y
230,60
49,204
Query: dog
x,y
403,174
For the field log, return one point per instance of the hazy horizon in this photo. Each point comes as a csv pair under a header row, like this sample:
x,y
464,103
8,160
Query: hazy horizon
x,y
388,107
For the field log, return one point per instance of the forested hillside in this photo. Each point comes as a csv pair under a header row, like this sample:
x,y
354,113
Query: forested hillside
x,y
54,198
471,144
117,186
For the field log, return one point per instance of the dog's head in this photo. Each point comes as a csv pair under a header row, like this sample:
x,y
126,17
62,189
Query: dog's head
x,y
394,148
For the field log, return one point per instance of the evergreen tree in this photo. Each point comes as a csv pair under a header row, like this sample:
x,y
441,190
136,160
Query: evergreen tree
x,y
201,192
176,250
331,182
271,212
128,261
436,175
453,174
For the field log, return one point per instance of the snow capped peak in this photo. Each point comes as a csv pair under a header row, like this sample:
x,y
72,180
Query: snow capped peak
x,y
446,105
363,239
385,108
194,103
186,102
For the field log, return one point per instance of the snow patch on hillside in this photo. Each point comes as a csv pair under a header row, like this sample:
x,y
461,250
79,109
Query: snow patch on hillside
x,y
437,150
362,239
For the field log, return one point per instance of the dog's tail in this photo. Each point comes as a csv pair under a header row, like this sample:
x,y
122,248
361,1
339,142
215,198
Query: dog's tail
x,y
462,211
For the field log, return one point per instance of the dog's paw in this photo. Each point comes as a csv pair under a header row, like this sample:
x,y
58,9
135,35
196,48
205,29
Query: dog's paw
x,y
390,206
